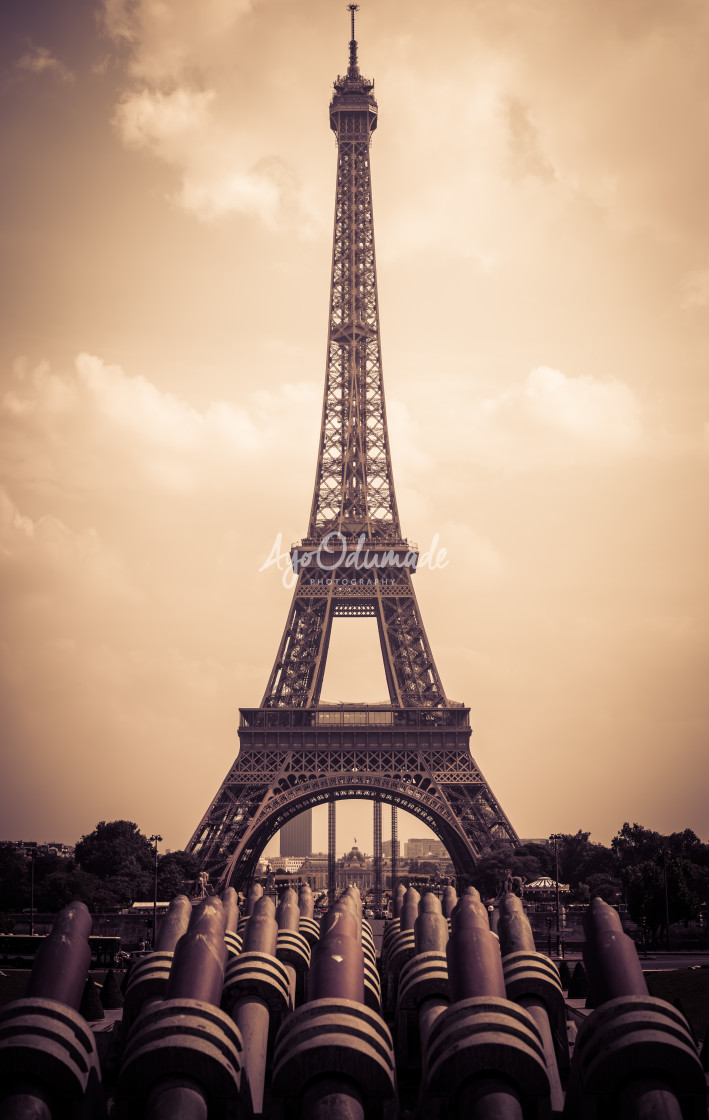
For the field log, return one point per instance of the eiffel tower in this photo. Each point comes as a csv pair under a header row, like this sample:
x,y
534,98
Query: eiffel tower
x,y
296,752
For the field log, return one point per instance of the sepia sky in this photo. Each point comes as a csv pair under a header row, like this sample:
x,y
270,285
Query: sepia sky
x,y
541,176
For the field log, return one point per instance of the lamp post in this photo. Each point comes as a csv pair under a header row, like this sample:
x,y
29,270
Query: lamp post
x,y
555,838
155,840
667,900
32,855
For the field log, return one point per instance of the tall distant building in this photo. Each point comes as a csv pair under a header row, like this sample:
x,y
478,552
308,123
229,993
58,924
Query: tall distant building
x,y
297,835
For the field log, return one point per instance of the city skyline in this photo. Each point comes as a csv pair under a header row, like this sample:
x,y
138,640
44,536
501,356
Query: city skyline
x,y
539,179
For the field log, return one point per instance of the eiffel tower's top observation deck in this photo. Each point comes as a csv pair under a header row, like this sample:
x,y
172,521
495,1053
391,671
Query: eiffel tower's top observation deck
x,y
353,95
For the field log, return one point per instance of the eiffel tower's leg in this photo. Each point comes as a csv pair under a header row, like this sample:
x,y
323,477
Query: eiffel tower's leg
x,y
394,850
377,846
300,663
331,835
405,647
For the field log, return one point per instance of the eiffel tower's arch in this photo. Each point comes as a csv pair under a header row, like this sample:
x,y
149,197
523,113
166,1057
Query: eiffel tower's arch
x,y
289,801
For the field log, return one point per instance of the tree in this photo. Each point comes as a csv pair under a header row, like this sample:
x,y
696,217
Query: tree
x,y
688,845
70,884
122,857
635,844
600,885
14,879
112,846
645,859
528,861
687,890
489,871
177,872
579,858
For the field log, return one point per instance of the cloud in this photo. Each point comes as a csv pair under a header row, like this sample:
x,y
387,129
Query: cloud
x,y
165,40
45,561
40,60
178,105
97,426
163,122
186,129
549,419
528,157
601,411
607,95
695,289
553,419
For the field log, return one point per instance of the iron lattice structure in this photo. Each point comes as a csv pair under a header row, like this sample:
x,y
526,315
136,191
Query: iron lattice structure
x,y
294,751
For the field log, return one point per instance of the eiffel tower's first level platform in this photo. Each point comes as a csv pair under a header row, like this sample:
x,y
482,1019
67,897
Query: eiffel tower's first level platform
x,y
364,725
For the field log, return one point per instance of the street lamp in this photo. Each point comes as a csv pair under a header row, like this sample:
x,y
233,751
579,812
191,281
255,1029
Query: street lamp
x,y
32,855
663,853
555,838
155,840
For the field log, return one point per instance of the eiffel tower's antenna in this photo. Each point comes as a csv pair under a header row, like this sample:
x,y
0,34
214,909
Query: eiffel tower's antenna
x,y
353,71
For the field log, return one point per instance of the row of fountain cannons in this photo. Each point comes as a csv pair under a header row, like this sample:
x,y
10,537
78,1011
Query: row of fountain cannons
x,y
275,1015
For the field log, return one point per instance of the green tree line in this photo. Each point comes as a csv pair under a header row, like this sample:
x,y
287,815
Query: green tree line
x,y
114,866
635,869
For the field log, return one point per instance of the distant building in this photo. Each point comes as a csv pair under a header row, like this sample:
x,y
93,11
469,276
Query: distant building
x,y
286,863
29,848
297,835
314,870
423,849
354,869
386,849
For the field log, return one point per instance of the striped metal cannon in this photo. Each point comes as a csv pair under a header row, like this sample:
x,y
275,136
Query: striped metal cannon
x,y
49,1067
257,994
149,977
634,1057
183,1056
334,1054
484,1057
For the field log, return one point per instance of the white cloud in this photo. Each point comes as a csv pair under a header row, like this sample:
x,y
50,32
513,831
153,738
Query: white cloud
x,y
97,426
547,420
167,37
161,121
552,419
601,411
234,193
40,60
187,129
